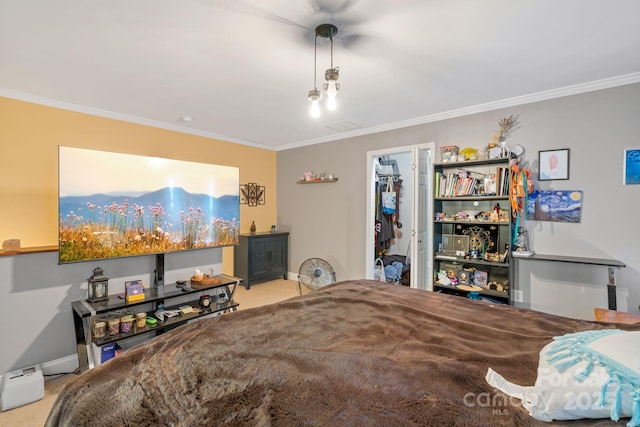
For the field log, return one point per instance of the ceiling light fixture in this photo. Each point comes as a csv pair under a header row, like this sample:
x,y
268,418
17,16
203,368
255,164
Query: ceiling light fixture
x,y
331,87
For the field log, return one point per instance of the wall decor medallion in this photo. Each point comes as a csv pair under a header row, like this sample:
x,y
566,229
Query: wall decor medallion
x,y
252,194
481,239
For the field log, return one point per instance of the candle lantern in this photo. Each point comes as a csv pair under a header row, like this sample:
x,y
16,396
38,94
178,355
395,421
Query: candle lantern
x,y
98,286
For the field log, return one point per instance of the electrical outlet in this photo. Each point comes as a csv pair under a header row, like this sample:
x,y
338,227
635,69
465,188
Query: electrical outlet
x,y
518,295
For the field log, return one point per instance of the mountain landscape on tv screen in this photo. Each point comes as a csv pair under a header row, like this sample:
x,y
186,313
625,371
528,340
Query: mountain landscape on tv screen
x,y
168,219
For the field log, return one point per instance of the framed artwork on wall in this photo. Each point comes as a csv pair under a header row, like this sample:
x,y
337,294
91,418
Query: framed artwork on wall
x,y
553,164
631,171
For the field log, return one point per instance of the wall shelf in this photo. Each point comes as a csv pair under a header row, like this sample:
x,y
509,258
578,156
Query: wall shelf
x,y
30,250
317,181
611,264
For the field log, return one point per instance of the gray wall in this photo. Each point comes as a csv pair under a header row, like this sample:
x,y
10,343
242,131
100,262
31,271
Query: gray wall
x,y
328,220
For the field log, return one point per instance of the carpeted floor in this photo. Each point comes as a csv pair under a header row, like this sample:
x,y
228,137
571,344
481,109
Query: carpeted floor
x,y
35,414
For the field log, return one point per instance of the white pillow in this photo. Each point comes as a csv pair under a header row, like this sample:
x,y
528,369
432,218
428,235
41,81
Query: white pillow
x,y
576,371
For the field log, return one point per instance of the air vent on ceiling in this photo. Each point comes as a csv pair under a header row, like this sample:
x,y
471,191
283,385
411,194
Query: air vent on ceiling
x,y
343,126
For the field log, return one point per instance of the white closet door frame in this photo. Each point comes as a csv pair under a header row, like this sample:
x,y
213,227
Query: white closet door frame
x,y
422,211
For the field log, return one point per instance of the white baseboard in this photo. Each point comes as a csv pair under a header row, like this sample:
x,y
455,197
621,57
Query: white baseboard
x,y
61,366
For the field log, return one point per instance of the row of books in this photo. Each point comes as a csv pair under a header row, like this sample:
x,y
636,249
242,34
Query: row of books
x,y
466,184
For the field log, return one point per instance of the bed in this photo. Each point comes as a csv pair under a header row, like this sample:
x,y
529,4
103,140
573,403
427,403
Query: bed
x,y
354,353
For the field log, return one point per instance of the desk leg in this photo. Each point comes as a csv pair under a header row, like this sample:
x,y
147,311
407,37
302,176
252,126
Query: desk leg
x,y
611,289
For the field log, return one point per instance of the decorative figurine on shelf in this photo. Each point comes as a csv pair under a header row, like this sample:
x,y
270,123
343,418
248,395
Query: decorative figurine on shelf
x,y
453,279
98,286
521,246
506,126
253,227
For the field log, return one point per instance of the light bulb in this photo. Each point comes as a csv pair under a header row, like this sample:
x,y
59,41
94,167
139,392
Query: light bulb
x,y
331,103
315,109
315,96
332,90
331,87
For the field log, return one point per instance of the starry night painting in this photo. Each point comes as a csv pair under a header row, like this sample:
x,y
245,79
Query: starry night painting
x,y
555,206
632,166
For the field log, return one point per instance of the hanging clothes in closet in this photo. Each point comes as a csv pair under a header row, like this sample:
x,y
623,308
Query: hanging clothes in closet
x,y
385,231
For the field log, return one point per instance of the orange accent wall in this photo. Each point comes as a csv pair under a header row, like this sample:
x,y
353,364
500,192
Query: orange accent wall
x,y
29,138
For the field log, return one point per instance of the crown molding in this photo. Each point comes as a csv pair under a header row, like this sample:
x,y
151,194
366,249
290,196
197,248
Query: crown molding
x,y
461,112
20,96
480,108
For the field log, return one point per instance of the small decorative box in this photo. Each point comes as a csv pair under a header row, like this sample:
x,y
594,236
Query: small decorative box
x,y
134,291
449,153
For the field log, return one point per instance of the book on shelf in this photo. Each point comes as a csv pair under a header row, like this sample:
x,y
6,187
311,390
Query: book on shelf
x,y
502,181
507,179
489,185
454,185
463,184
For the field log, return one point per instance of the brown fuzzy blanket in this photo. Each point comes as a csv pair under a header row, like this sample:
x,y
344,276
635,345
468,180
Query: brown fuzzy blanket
x,y
357,353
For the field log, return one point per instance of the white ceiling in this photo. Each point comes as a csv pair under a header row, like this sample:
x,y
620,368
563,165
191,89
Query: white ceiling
x,y
242,68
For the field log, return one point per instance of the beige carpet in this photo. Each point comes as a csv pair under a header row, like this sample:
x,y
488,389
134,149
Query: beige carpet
x,y
35,414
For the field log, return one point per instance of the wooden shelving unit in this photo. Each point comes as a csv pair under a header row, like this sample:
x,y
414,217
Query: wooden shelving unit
x,y
498,273
86,313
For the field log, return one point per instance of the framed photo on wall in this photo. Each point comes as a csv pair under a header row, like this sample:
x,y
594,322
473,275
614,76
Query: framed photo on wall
x,y
631,171
553,164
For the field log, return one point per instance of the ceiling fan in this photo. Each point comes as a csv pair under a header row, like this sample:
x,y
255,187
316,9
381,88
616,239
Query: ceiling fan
x,y
341,13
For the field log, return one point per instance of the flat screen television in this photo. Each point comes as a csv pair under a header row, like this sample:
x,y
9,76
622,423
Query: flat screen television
x,y
119,205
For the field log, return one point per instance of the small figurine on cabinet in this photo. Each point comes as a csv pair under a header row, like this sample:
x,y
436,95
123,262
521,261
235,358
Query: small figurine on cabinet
x,y
453,279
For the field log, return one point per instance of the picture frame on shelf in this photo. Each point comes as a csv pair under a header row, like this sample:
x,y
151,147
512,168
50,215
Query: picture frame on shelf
x,y
463,277
631,167
553,164
480,278
452,244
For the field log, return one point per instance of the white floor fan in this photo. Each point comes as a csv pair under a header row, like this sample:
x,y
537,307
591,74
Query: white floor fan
x,y
315,273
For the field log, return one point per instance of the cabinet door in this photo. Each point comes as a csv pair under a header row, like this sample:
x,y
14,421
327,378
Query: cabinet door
x,y
259,257
278,255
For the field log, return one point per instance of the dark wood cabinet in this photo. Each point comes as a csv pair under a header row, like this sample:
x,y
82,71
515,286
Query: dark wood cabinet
x,y
261,256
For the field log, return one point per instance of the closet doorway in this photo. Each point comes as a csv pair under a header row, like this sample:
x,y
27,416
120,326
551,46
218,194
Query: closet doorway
x,y
414,167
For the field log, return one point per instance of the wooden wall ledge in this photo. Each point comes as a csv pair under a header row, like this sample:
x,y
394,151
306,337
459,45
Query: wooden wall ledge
x,y
612,316
32,250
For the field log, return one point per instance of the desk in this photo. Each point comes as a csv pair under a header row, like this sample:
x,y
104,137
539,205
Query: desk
x,y
610,263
